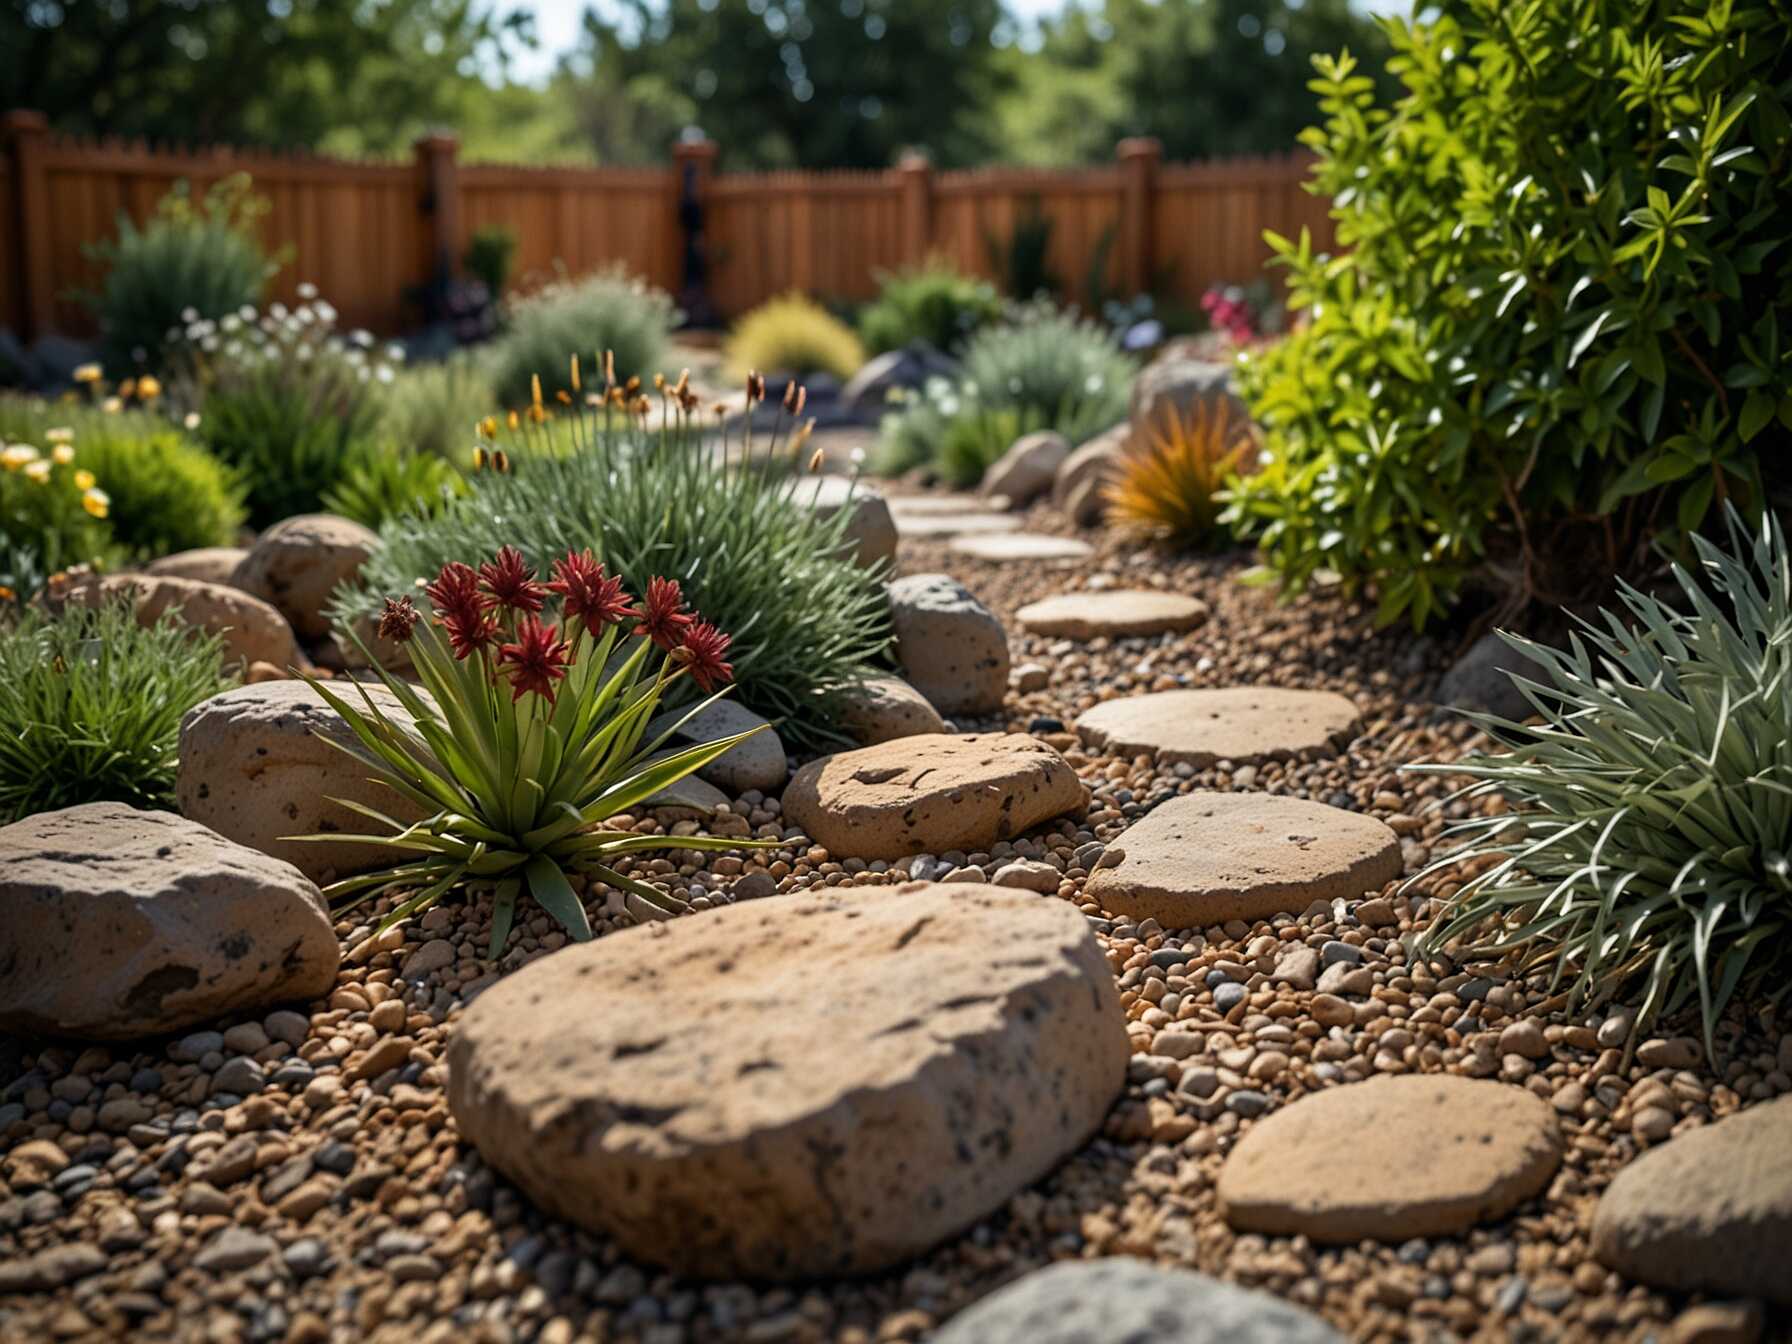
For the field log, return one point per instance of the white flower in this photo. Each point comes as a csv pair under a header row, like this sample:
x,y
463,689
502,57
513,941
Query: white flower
x,y
189,314
395,353
386,375
278,312
246,312
362,338
325,313
307,291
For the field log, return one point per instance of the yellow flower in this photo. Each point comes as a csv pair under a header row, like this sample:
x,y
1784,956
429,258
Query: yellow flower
x,y
60,435
478,457
96,502
127,387
489,426
89,373
112,405
148,388
7,594
17,456
83,480
63,453
38,471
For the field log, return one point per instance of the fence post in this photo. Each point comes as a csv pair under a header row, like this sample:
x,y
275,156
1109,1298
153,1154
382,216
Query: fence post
x,y
27,135
439,199
915,175
1139,157
693,165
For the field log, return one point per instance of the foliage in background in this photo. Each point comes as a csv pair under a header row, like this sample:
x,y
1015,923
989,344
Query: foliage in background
x,y
608,310
648,500
187,262
530,740
391,482
489,254
166,492
1648,848
51,513
792,334
1167,484
91,704
434,409
1554,331
1056,369
932,302
1022,260
286,401
945,427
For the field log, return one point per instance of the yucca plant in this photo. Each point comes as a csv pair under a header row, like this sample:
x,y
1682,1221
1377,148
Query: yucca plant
x,y
530,736
1646,849
1167,483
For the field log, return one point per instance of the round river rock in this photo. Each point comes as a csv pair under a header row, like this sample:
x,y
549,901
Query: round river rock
x,y
1206,858
1418,1155
1115,614
818,1085
1240,724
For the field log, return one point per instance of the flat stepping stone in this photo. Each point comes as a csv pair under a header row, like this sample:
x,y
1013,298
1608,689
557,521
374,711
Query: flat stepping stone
x,y
930,794
1708,1211
1122,1299
823,1084
1023,546
1419,1155
926,506
954,524
1115,614
1244,724
1208,858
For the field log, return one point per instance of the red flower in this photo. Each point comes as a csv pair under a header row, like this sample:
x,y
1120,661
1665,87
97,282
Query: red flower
x,y
705,653
590,597
398,619
661,617
536,661
469,632
455,593
509,582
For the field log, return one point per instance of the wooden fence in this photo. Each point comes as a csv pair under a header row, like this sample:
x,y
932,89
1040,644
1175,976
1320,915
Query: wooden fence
x,y
366,232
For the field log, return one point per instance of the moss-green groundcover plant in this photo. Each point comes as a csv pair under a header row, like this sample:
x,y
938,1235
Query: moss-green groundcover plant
x,y
1649,846
531,736
1555,329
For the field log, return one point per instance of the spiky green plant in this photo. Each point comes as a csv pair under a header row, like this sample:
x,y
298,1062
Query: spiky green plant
x,y
391,482
91,704
1647,849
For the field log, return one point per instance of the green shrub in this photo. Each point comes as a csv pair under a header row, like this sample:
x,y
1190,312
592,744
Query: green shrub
x,y
805,621
944,426
391,482
289,404
932,303
188,262
51,516
793,335
166,493
489,254
606,311
433,408
1649,845
91,704
1057,370
1553,331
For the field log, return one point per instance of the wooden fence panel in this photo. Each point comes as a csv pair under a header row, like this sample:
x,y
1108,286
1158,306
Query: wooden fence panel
x,y
576,219
826,234
1208,219
977,211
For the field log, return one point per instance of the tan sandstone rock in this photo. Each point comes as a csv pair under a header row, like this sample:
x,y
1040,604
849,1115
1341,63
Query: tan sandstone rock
x,y
1240,724
120,924
1007,547
930,794
1078,487
1115,613
870,531
1027,469
1206,858
254,768
252,631
209,564
298,563
824,1084
1419,1155
881,709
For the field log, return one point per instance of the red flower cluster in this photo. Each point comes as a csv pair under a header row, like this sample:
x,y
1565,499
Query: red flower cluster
x,y
498,607
1227,309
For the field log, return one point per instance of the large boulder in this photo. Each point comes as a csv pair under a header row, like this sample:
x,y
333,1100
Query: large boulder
x,y
758,763
931,794
951,647
209,564
868,390
257,766
1027,469
299,563
972,1039
1082,478
1709,1211
1178,386
1125,1301
120,923
251,630
881,709
870,530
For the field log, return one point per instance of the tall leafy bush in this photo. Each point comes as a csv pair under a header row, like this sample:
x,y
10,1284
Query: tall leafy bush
x,y
932,302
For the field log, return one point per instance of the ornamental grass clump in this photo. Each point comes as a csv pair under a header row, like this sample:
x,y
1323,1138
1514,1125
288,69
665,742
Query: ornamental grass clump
x,y
1167,484
530,733
1648,845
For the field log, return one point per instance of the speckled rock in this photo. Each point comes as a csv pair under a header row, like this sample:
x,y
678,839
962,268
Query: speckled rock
x,y
1115,613
1415,1155
1027,469
758,763
254,768
1078,488
298,563
121,923
208,564
1708,1211
1124,1301
951,647
251,630
793,1143
1240,724
870,531
881,709
1206,858
930,794
1180,386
